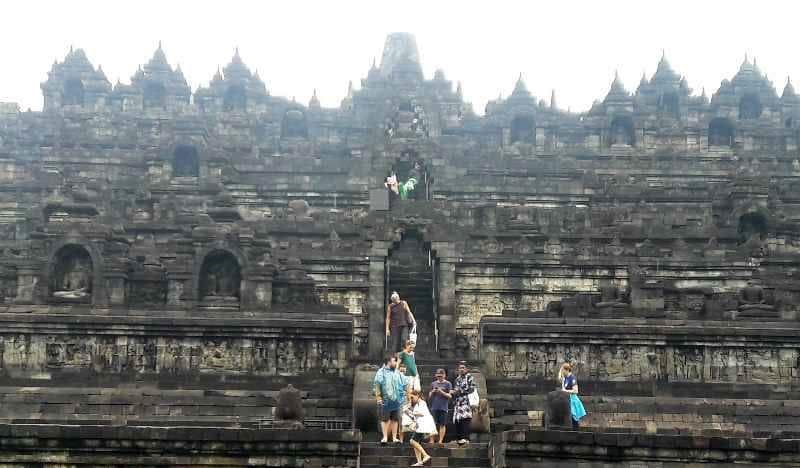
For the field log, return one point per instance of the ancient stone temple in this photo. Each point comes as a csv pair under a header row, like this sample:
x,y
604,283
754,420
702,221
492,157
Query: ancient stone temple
x,y
172,259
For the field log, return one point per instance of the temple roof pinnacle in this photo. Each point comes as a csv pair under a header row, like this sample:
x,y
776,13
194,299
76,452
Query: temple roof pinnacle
x,y
788,90
616,86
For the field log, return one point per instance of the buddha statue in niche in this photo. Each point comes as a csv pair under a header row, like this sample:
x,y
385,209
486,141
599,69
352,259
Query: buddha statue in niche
x,y
73,275
611,296
220,278
752,298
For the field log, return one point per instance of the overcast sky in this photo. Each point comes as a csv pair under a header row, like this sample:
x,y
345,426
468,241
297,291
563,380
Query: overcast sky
x,y
572,46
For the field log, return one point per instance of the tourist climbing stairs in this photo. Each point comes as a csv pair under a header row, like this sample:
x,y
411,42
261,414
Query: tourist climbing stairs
x,y
374,455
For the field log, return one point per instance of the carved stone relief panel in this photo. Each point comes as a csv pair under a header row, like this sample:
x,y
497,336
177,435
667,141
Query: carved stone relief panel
x,y
636,363
172,355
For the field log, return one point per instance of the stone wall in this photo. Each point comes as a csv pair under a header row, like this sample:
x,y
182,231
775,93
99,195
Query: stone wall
x,y
73,446
633,351
586,449
45,346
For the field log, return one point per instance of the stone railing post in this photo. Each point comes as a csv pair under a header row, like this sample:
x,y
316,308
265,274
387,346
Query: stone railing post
x,y
376,300
446,294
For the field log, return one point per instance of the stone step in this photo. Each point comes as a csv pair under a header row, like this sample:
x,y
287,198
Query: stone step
x,y
473,450
409,459
473,455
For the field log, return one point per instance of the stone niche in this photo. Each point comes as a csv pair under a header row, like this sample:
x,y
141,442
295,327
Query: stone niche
x,y
72,275
220,279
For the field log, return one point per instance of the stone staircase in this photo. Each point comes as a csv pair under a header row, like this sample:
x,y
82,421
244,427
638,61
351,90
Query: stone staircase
x,y
411,276
373,455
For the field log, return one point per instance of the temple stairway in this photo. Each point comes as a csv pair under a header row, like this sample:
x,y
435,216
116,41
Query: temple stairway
x,y
475,455
411,275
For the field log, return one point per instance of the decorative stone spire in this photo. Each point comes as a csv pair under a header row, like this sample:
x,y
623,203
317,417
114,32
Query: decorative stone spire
x,y
553,100
519,88
236,69
746,66
788,90
617,88
400,57
159,60
347,102
158,84
75,82
459,91
664,72
313,103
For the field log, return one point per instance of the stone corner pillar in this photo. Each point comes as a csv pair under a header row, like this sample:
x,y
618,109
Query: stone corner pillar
x,y
179,284
257,289
27,282
446,294
116,282
376,298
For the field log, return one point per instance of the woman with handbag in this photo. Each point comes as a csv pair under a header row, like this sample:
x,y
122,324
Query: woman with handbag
x,y
399,322
569,384
462,409
421,422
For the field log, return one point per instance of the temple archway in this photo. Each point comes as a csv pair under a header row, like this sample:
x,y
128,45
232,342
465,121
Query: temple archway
x,y
720,132
220,278
750,107
154,95
410,271
235,99
621,131
72,275
72,94
185,162
294,124
523,129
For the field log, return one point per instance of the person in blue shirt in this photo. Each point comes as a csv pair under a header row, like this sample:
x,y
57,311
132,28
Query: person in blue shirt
x,y
440,396
569,384
390,392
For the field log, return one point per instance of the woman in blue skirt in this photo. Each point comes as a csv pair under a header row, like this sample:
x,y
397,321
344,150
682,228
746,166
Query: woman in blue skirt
x,y
569,384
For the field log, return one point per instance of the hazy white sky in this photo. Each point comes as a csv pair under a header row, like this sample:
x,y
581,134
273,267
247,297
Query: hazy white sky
x,y
572,46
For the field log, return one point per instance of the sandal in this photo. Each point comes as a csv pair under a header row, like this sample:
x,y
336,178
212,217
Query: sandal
x,y
425,460
397,441
384,441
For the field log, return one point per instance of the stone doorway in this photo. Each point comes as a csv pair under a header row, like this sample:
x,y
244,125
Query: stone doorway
x,y
410,271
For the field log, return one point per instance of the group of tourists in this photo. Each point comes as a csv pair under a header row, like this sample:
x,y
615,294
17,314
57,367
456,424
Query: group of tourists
x,y
398,391
402,404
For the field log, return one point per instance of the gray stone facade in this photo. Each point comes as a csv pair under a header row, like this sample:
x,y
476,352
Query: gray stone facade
x,y
229,235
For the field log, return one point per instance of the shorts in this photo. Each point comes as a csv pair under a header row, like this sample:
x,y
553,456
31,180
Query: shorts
x,y
388,415
439,417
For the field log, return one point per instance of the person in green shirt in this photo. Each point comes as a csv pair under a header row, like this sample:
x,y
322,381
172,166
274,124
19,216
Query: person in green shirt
x,y
408,359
